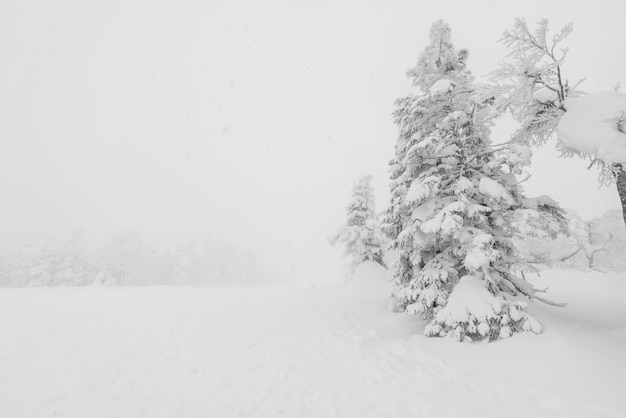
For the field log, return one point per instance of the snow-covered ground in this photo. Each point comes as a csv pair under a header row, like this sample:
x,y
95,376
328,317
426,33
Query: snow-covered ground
x,y
333,351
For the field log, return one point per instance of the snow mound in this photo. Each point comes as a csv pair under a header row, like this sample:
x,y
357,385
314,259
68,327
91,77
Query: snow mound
x,y
441,86
422,188
425,210
469,298
371,271
535,202
590,125
474,313
546,95
494,189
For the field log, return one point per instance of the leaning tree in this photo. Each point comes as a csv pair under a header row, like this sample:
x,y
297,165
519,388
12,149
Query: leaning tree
x,y
533,88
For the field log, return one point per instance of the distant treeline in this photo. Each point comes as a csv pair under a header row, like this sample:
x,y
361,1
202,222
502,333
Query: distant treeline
x,y
129,260
598,244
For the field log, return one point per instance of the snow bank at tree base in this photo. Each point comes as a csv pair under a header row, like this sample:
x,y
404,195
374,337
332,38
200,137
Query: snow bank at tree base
x,y
288,351
590,125
473,313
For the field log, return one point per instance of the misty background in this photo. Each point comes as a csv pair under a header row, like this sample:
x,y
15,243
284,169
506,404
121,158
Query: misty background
x,y
242,124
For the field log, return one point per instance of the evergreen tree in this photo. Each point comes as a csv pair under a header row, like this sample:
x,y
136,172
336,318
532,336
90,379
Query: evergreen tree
x,y
456,205
361,235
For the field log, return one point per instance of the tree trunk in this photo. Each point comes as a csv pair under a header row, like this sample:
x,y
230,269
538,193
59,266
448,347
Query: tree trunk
x,y
621,189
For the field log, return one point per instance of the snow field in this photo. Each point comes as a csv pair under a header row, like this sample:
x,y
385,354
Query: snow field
x,y
286,351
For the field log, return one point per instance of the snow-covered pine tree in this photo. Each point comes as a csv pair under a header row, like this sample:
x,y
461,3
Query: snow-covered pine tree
x,y
456,205
361,235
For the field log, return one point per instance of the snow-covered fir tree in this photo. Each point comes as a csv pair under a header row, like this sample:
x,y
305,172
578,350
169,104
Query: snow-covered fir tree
x,y
361,235
456,205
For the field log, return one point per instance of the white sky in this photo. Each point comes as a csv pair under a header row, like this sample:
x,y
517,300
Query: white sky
x,y
241,118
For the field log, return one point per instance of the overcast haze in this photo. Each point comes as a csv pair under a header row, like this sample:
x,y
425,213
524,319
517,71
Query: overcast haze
x,y
246,120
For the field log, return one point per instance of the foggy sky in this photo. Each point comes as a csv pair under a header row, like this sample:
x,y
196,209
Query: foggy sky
x,y
247,119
